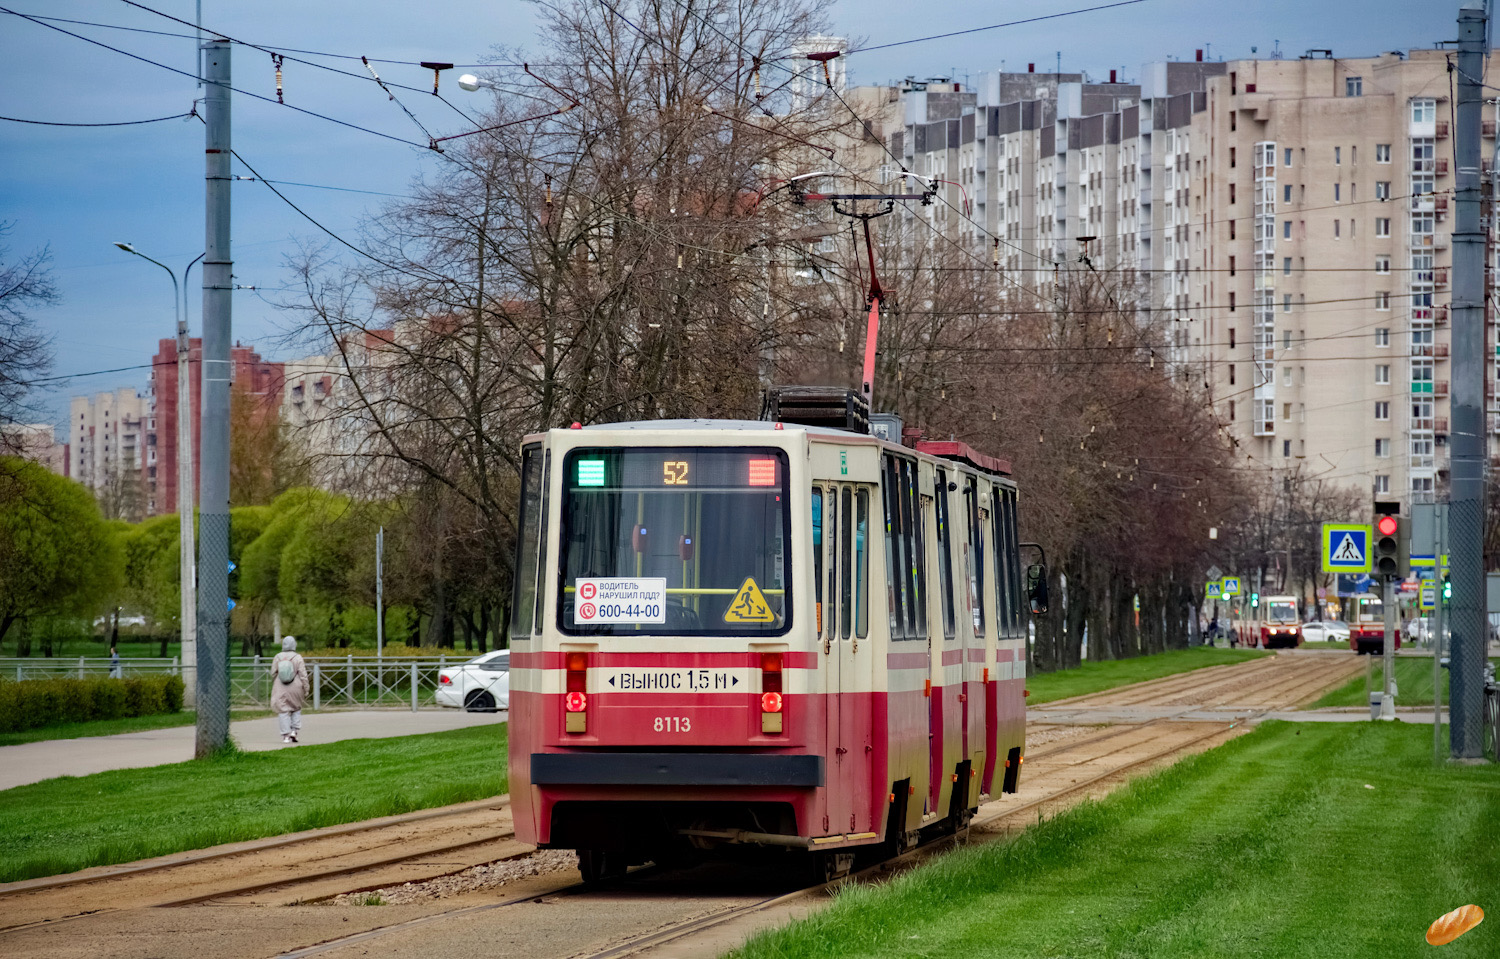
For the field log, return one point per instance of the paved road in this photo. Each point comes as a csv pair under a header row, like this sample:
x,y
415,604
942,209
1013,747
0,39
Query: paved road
x,y
33,762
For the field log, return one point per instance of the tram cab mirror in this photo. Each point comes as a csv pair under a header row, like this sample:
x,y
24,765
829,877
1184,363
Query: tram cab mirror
x,y
1036,588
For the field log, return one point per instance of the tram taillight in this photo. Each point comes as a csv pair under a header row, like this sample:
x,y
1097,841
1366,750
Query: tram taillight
x,y
576,701
770,693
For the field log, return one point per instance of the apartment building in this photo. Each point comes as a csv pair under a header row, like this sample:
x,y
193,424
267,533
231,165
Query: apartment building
x,y
329,418
1323,327
1286,218
36,442
109,446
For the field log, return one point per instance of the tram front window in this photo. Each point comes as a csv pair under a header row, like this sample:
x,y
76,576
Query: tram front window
x,y
675,541
1282,613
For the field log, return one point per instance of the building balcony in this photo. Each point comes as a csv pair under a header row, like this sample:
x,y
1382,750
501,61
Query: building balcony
x,y
1439,388
1440,166
1442,130
1440,350
1440,425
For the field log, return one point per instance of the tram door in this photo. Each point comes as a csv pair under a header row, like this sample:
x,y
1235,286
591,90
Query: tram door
x,y
981,559
843,543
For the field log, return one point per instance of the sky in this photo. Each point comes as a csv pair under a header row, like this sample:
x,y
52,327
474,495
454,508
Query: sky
x,y
79,190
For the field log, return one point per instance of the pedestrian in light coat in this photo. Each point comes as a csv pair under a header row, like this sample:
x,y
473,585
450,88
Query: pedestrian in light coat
x,y
289,695
114,664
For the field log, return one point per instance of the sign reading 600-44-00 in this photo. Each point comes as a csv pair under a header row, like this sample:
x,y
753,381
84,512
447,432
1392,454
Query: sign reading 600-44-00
x,y
605,601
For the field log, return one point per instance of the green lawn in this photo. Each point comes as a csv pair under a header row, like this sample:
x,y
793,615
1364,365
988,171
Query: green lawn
x,y
66,824
1094,675
111,727
1269,846
1413,685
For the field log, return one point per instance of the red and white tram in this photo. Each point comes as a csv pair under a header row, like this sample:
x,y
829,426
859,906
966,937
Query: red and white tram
x,y
699,654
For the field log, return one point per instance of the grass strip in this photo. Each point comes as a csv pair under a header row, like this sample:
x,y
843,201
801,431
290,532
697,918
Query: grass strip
x,y
1096,675
1413,685
1299,841
113,727
70,823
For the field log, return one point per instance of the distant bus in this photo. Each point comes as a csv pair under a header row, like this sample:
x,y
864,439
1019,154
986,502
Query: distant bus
x,y
1280,626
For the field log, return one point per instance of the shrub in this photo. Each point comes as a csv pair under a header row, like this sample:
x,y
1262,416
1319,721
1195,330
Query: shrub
x,y
33,703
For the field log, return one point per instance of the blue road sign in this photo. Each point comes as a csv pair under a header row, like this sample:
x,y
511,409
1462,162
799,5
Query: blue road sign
x,y
1346,548
232,566
1354,584
231,605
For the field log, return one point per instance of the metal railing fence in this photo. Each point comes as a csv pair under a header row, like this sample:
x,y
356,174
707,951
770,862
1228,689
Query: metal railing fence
x,y
337,683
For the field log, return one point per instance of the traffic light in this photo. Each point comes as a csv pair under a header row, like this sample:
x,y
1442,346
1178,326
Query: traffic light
x,y
1447,588
1255,601
1388,535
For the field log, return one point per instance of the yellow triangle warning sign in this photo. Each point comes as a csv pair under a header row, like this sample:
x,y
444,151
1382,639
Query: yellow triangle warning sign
x,y
749,605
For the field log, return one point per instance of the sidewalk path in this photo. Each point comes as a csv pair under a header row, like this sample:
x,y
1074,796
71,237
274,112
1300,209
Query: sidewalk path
x,y
33,762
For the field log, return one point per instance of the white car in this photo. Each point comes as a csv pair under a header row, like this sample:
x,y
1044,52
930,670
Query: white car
x,y
1325,630
481,685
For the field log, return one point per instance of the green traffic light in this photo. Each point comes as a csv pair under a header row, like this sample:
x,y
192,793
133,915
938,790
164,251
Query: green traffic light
x,y
1254,600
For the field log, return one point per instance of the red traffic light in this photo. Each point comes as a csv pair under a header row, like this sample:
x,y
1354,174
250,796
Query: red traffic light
x,y
1387,525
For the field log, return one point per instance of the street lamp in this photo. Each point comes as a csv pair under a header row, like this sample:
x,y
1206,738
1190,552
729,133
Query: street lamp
x,y
471,83
188,613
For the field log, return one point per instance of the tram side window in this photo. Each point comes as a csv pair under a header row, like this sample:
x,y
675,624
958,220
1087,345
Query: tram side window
x,y
916,551
541,542
817,551
862,563
895,560
523,597
1017,608
976,554
846,531
1005,550
945,557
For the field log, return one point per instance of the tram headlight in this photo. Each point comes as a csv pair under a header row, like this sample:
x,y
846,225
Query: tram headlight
x,y
578,702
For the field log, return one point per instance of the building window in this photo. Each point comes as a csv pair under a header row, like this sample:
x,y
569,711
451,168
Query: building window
x,y
1231,266
1286,193
1382,336
1286,449
1288,160
1286,376
1338,155
1383,264
1231,193
1354,86
1382,372
1382,410
1231,411
1424,110
1286,302
1231,304
1382,189
1335,229
1383,301
1286,266
1286,229
1231,337
1336,191
1286,412
1382,484
1231,158
1382,226
1231,374
1382,153
1383,448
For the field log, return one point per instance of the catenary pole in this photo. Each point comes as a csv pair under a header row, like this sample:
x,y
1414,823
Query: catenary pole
x,y
379,594
1466,498
213,493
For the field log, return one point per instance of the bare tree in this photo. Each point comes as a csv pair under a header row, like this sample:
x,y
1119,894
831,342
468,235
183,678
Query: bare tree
x,y
25,351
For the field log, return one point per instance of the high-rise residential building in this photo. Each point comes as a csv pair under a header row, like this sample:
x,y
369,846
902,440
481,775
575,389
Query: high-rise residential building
x,y
258,379
330,419
109,448
1287,218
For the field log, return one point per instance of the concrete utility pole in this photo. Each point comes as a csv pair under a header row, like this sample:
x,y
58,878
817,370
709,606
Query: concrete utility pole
x,y
1466,509
213,498
380,594
1388,654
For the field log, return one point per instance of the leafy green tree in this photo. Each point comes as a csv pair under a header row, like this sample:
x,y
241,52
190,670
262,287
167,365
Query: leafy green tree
x,y
58,556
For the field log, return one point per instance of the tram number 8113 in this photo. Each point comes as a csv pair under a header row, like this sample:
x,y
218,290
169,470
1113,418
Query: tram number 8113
x,y
673,724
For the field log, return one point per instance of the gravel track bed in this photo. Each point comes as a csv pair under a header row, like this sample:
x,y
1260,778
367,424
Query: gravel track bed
x,y
488,876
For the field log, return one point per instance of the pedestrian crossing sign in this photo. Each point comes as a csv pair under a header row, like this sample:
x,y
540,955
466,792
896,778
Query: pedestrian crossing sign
x,y
1229,586
1346,548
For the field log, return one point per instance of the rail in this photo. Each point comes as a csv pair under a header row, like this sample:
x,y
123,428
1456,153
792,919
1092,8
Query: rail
x,y
337,683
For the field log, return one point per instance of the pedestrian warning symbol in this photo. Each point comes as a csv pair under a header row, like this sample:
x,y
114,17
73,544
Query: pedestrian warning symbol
x,y
1346,548
1347,551
749,605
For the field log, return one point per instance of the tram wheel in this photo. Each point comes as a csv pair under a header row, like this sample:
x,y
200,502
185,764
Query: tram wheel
x,y
599,864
